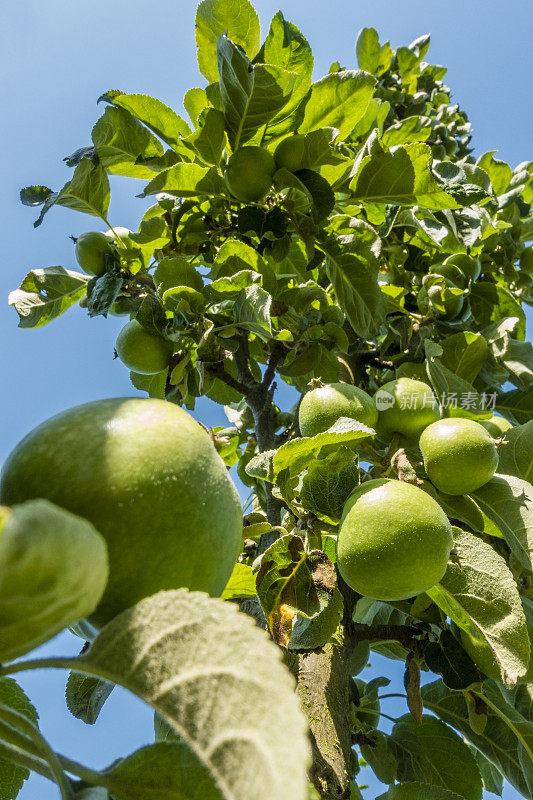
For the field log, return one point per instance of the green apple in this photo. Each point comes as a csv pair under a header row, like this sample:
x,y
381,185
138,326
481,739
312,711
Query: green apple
x,y
149,479
53,571
394,540
496,425
406,406
93,250
291,153
249,173
459,455
141,350
322,407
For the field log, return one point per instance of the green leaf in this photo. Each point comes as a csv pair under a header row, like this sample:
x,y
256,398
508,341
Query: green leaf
x,y
12,776
491,303
298,595
507,740
313,632
157,116
328,483
357,290
320,191
447,658
516,456
464,353
411,129
297,454
414,790
498,171
210,138
120,140
35,195
195,100
478,592
286,47
492,778
252,95
86,696
172,271
102,292
186,180
402,177
380,755
368,49
252,311
45,294
433,753
87,191
240,584
508,502
451,389
338,100
235,18
53,572
516,405
227,696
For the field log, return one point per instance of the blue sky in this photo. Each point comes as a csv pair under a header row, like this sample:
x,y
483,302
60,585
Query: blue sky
x,y
56,59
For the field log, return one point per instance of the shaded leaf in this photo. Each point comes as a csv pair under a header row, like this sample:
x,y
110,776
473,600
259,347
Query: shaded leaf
x,y
12,776
506,739
447,658
432,752
328,483
251,95
86,696
357,291
414,790
102,292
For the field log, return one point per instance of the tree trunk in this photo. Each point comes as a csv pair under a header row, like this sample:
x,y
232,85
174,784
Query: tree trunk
x,y
324,691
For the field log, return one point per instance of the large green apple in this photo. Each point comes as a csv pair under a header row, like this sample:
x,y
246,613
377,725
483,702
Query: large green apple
x,y
322,407
406,406
148,477
394,540
459,455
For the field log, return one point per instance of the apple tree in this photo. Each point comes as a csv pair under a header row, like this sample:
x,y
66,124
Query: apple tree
x,y
339,237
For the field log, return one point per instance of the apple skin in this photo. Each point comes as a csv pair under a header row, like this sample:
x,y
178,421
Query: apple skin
x,y
394,540
322,407
92,248
420,407
249,173
459,455
141,350
148,477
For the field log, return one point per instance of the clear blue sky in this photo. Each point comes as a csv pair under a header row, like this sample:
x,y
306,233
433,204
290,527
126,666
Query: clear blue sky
x,y
56,59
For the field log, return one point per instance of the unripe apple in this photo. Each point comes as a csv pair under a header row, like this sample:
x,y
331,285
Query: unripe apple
x,y
394,540
149,479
